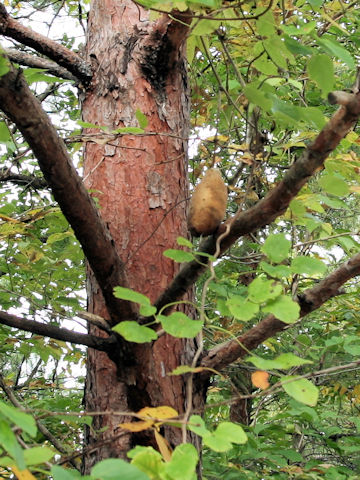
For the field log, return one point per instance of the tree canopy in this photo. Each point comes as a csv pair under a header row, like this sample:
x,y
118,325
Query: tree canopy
x,y
275,102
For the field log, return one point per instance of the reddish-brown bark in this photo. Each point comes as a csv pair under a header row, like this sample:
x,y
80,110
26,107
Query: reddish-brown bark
x,y
141,185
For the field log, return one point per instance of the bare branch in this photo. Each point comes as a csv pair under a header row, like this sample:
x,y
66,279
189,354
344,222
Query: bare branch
x,y
28,60
99,343
59,54
310,300
274,203
25,180
18,102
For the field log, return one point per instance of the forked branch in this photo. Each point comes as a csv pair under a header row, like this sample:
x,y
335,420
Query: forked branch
x,y
53,50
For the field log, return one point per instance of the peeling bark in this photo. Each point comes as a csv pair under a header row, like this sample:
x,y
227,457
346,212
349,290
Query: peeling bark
x,y
141,185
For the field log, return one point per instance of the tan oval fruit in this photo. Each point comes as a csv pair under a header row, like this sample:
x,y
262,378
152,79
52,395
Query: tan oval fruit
x,y
208,204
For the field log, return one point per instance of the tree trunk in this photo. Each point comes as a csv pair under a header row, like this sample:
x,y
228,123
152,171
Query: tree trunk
x,y
141,185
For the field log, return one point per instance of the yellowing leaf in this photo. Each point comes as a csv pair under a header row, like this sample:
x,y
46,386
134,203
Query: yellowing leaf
x,y
8,219
136,426
342,391
161,413
218,138
23,474
234,147
163,445
260,379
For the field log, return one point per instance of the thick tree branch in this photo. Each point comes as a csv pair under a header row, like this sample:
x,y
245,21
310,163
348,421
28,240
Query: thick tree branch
x,y
310,300
28,60
274,203
58,333
18,102
59,54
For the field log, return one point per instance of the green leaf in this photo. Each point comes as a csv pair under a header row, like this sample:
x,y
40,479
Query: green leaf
x,y
147,310
276,247
89,125
334,185
133,332
316,3
267,67
141,118
265,25
276,271
233,432
37,455
321,70
282,362
301,389
115,469
147,460
58,237
332,202
131,295
241,308
179,255
256,96
336,49
183,462
287,112
183,369
275,49
206,3
204,27
21,419
5,136
129,130
4,65
59,473
180,325
224,436
308,265
301,28
34,75
295,47
184,242
283,308
313,117
352,348
197,425
9,444
260,290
